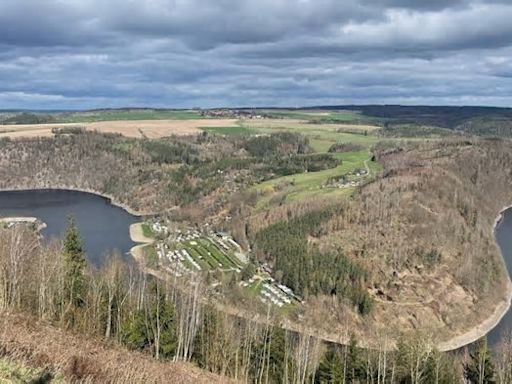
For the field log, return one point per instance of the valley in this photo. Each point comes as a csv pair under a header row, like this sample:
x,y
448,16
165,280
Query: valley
x,y
327,228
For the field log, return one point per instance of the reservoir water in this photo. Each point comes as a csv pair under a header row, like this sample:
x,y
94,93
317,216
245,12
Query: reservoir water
x,y
503,235
103,226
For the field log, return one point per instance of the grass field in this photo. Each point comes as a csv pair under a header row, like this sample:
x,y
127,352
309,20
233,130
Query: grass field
x,y
237,130
254,288
312,184
321,138
150,256
147,231
134,114
209,253
322,141
317,115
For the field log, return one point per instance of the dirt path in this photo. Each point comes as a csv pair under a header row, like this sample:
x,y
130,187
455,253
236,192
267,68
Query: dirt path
x,y
368,170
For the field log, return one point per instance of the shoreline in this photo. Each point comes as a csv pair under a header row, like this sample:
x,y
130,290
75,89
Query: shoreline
x,y
135,231
482,329
137,236
110,198
488,324
25,220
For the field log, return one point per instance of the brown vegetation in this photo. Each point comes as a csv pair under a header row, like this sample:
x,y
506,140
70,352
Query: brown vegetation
x,y
168,318
200,172
135,173
424,231
87,359
117,295
47,283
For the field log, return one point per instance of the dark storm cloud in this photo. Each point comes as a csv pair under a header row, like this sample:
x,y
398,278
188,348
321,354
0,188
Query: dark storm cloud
x,y
43,23
184,53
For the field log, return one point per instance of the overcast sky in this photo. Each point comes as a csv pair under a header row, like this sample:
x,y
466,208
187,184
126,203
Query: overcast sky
x,y
60,54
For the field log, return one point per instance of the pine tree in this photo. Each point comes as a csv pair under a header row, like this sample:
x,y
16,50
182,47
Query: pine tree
x,y
277,357
480,369
135,331
248,271
330,370
152,327
354,364
74,267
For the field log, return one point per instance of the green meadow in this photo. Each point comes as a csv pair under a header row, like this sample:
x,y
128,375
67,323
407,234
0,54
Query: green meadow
x,y
312,184
135,114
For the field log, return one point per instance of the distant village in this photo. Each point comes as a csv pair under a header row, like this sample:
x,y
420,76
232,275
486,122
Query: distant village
x,y
233,114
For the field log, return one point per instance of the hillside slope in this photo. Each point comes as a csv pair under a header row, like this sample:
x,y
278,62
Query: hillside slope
x,y
418,239
81,358
424,231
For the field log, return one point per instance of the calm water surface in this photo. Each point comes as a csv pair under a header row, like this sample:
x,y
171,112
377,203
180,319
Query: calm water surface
x,y
504,239
103,226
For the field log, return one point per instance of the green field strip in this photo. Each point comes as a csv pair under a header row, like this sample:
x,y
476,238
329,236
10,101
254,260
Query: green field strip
x,y
86,117
210,258
225,253
196,256
206,248
220,256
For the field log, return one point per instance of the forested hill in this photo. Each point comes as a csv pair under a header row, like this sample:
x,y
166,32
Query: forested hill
x,y
481,121
442,116
151,175
418,239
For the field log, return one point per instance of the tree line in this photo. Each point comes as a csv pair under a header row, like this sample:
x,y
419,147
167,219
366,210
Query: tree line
x,y
153,175
304,268
171,320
